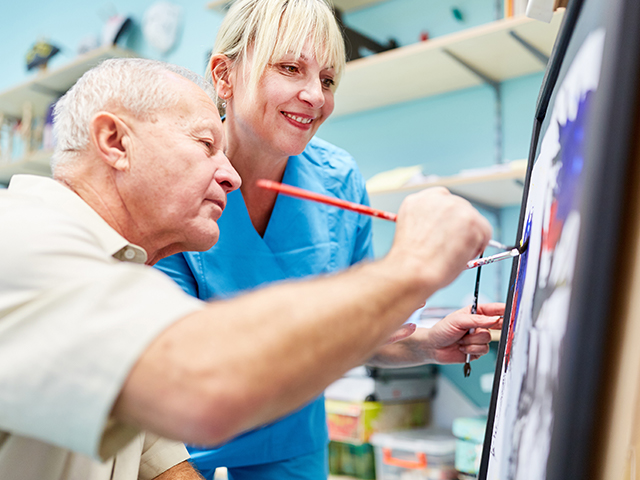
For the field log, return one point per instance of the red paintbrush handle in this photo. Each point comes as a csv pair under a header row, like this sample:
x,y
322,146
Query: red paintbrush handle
x,y
316,197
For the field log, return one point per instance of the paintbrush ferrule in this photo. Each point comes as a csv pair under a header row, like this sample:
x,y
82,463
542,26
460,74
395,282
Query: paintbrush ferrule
x,y
478,262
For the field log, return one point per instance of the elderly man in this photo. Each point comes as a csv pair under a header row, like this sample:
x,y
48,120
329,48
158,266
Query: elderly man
x,y
97,348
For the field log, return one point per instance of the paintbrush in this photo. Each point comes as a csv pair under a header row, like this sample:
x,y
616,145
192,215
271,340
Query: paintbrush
x,y
510,253
514,252
317,197
365,210
474,309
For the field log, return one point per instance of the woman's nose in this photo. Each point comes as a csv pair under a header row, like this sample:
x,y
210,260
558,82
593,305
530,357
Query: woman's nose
x,y
313,93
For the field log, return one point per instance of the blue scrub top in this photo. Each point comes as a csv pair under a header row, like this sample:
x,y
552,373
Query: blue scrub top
x,y
302,239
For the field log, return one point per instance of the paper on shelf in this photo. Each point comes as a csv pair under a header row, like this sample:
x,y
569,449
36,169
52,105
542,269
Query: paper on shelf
x,y
540,10
396,178
493,169
421,180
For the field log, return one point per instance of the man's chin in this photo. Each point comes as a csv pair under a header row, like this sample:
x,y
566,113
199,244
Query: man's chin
x,y
199,236
203,247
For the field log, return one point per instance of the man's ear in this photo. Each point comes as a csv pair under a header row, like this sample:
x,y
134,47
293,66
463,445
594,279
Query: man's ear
x,y
221,75
110,138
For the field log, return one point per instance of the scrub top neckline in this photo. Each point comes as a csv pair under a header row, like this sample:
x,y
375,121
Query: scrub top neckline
x,y
273,218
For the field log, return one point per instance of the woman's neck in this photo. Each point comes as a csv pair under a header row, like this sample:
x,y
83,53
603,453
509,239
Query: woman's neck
x,y
252,165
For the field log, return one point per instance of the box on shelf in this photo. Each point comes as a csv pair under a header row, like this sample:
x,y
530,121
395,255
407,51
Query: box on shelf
x,y
469,432
355,422
420,454
356,461
385,385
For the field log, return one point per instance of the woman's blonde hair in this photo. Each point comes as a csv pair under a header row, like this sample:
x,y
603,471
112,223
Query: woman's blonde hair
x,y
276,28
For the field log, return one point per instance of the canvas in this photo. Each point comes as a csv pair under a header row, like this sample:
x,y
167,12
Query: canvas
x,y
556,412
537,323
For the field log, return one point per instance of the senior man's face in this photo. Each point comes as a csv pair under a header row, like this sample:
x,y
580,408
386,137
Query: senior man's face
x,y
181,173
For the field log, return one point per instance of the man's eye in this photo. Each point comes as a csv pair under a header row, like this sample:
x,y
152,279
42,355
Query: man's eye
x,y
207,144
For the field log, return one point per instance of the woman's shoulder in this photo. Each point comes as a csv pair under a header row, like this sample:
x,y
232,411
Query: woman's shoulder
x,y
328,155
336,166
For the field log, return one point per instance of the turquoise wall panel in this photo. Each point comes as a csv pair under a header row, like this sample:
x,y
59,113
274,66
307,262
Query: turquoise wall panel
x,y
519,97
445,134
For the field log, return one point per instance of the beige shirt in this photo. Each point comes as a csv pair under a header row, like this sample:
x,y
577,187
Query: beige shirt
x,y
77,309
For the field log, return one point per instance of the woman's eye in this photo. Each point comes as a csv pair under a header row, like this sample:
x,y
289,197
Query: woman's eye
x,y
328,82
290,68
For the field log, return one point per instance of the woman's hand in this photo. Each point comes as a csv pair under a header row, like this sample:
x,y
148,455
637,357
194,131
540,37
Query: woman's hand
x,y
448,341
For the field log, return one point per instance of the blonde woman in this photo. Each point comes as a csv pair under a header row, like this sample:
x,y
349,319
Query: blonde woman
x,y
275,66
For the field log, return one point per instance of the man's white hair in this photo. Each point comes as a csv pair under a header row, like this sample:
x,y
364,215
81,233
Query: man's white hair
x,y
135,84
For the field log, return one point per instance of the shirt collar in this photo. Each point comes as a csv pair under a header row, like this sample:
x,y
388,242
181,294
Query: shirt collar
x,y
61,198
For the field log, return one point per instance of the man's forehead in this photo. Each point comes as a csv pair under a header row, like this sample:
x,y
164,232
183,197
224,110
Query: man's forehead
x,y
192,106
198,104
184,86
208,123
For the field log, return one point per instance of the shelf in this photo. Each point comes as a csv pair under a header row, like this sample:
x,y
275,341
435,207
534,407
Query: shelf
x,y
424,69
351,5
35,164
496,186
342,5
40,91
47,86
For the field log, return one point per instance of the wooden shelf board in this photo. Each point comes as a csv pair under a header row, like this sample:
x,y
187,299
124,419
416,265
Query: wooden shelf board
x,y
220,5
35,164
351,5
343,5
494,188
46,86
425,69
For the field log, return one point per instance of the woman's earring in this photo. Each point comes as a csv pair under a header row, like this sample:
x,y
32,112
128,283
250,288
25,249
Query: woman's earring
x,y
224,104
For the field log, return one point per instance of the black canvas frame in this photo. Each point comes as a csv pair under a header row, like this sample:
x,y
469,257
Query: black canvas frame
x,y
609,157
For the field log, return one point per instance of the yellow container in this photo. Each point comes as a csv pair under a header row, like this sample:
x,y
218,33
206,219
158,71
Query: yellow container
x,y
355,422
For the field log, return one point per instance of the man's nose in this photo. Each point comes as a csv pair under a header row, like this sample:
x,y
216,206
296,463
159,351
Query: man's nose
x,y
227,176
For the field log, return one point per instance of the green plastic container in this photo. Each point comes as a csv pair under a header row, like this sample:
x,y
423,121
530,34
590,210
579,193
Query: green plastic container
x,y
356,461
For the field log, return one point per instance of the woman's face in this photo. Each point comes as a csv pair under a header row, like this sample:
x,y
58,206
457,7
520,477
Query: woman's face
x,y
292,99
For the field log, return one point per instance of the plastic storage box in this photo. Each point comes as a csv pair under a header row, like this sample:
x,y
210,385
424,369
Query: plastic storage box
x,y
355,422
469,432
356,461
421,454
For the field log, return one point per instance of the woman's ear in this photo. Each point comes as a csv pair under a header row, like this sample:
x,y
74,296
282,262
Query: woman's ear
x,y
109,136
221,74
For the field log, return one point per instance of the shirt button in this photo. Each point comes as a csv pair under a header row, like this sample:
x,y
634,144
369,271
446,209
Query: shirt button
x,y
129,254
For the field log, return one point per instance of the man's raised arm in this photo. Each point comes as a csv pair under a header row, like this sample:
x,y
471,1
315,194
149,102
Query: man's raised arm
x,y
244,362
